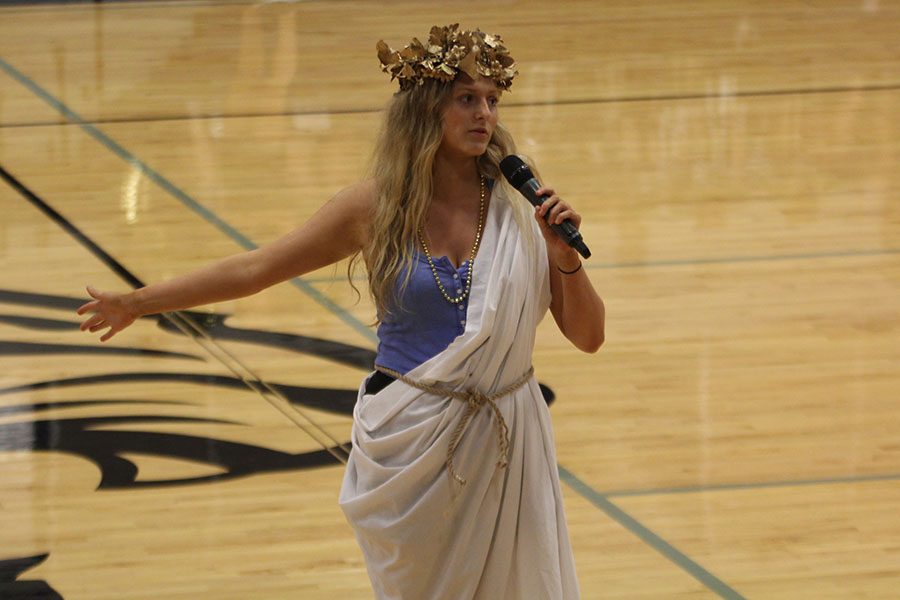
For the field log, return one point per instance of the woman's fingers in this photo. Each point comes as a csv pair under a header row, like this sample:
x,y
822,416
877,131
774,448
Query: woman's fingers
x,y
90,305
90,322
547,206
555,211
94,321
86,307
545,228
570,215
550,198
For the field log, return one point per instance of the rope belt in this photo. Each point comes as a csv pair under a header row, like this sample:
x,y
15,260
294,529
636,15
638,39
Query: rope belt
x,y
474,400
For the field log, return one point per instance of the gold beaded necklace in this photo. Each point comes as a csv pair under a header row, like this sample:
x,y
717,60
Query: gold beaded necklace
x,y
437,279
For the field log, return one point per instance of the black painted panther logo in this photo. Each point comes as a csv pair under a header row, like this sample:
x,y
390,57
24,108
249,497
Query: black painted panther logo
x,y
84,436
92,439
10,587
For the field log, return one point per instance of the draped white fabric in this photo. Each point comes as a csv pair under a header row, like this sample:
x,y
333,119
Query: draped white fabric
x,y
503,535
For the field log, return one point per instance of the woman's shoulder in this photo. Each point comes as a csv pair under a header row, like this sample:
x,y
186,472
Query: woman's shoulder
x,y
358,196
349,210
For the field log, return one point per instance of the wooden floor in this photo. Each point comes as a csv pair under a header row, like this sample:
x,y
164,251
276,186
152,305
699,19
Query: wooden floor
x,y
738,168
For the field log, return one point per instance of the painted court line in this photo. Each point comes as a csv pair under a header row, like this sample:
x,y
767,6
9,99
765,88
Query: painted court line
x,y
657,543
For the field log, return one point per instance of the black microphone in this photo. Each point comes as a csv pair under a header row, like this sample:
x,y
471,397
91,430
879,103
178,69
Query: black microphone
x,y
519,175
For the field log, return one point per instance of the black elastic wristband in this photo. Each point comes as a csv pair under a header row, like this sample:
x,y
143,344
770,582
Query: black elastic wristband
x,y
578,268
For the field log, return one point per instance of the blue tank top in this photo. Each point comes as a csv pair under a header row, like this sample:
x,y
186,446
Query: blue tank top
x,y
425,323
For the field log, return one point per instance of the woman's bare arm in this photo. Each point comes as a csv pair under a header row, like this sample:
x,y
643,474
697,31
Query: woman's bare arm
x,y
578,310
334,232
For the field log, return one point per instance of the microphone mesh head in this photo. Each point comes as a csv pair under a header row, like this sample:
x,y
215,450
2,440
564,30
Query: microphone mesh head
x,y
515,170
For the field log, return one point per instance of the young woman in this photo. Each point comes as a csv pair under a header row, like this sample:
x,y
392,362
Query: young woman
x,y
451,486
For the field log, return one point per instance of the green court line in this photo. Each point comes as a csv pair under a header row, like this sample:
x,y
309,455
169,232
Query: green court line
x,y
751,486
179,194
657,543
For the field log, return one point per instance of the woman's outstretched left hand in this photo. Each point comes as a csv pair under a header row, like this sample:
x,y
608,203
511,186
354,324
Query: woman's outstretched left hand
x,y
110,310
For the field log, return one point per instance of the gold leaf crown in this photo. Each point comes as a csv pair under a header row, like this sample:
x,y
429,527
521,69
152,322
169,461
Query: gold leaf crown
x,y
448,52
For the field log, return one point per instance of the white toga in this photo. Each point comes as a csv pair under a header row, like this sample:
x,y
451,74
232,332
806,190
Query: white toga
x,y
503,535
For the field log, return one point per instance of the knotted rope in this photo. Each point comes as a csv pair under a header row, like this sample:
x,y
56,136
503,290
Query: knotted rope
x,y
474,400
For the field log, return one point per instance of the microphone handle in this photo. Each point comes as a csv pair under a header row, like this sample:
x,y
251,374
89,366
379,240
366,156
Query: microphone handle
x,y
565,230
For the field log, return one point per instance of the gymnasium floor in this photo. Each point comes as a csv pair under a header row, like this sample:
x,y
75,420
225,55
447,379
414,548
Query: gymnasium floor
x,y
736,164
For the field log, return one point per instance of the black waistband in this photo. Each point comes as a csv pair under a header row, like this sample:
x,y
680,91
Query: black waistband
x,y
377,382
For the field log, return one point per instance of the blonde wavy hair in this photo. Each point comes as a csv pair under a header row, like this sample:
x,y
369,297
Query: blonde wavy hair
x,y
401,168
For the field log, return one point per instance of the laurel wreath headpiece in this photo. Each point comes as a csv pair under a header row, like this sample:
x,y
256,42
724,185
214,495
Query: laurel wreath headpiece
x,y
448,52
